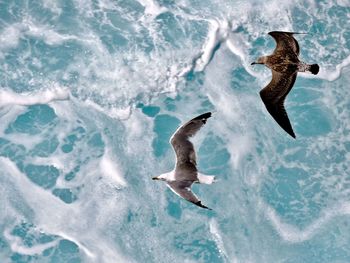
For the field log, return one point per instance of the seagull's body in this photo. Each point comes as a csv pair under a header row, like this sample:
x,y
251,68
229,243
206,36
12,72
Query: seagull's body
x,y
284,64
185,173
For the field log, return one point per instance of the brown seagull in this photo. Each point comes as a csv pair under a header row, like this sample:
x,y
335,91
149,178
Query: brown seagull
x,y
185,173
285,65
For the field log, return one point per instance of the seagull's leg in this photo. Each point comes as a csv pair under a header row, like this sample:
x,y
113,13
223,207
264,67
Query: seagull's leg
x,y
206,179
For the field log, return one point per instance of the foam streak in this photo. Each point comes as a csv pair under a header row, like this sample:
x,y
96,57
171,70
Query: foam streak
x,y
292,234
8,97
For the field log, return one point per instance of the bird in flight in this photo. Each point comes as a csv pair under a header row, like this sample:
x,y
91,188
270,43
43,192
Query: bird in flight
x,y
285,65
185,173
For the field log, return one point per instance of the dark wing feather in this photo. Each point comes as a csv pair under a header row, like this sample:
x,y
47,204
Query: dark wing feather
x,y
191,127
285,42
183,147
183,189
273,96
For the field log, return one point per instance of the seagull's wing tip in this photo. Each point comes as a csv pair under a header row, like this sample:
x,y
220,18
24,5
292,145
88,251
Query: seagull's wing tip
x,y
199,203
206,115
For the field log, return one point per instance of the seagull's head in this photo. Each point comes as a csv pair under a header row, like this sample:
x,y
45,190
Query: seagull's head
x,y
164,177
156,178
261,60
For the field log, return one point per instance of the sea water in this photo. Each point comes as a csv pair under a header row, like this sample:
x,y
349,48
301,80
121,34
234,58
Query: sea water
x,y
91,91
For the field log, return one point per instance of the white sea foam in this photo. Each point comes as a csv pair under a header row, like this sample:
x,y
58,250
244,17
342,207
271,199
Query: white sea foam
x,y
16,101
56,161
8,97
230,107
218,32
152,7
344,3
17,245
214,230
8,115
221,32
79,244
109,168
53,6
9,37
113,112
117,84
28,141
57,218
335,74
292,234
105,79
49,36
239,150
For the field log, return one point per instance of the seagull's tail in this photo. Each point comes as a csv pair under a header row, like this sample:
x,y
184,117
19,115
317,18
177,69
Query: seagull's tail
x,y
206,179
314,69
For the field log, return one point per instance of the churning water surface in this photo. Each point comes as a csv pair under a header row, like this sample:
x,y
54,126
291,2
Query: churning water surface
x,y
90,93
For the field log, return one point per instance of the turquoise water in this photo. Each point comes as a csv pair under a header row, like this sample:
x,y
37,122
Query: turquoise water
x,y
90,93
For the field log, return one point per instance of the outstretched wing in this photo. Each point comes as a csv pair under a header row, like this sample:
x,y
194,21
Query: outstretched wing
x,y
285,42
183,147
273,96
183,189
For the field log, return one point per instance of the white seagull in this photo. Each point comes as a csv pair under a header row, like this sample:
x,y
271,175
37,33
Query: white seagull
x,y
185,173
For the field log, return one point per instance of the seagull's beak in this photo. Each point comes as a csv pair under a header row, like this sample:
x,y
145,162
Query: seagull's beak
x,y
155,178
253,63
